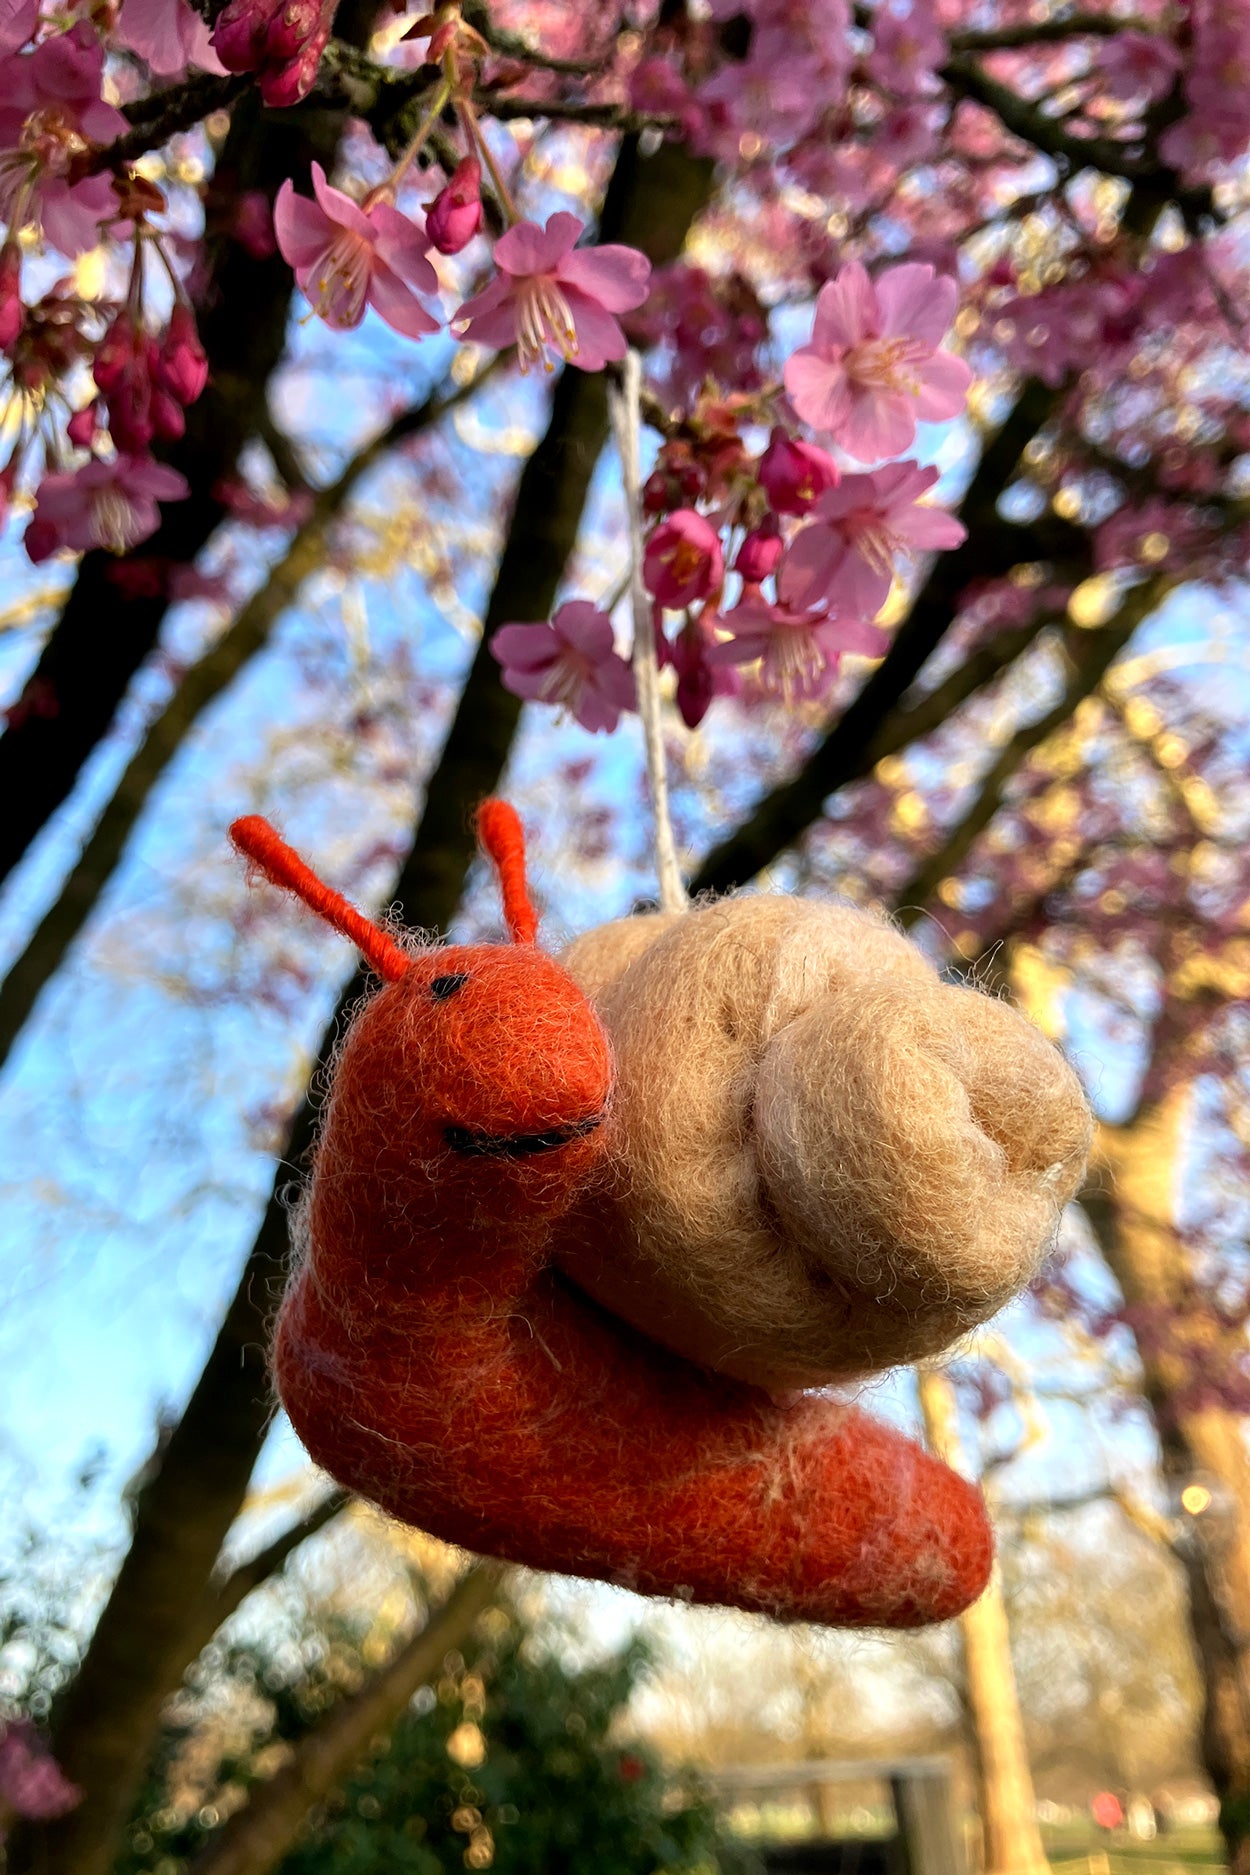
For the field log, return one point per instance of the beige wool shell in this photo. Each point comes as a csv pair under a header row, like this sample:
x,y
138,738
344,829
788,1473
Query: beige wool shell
x,y
825,1159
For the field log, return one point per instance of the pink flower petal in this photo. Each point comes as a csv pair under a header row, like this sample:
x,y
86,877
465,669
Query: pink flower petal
x,y
395,302
303,231
339,207
846,309
18,19
916,303
811,566
876,424
404,248
944,381
525,647
617,277
586,628
527,248
858,637
817,389
930,529
599,338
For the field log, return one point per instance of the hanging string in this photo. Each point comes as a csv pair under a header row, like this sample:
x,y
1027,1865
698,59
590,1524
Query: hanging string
x,y
625,406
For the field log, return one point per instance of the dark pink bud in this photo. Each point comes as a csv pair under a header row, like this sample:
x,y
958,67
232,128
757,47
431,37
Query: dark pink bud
x,y
168,422
12,312
114,355
285,85
794,474
181,366
83,425
238,38
760,551
290,29
455,214
683,560
41,541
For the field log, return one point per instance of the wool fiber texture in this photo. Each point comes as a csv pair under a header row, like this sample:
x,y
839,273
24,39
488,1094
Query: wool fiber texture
x,y
825,1159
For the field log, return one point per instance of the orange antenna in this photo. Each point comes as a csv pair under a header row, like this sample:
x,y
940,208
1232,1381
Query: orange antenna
x,y
257,841
502,837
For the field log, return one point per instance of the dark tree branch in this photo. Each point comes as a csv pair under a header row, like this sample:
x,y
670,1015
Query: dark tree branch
x,y
1048,32
226,1593
846,752
1091,655
163,114
48,944
105,631
258,1836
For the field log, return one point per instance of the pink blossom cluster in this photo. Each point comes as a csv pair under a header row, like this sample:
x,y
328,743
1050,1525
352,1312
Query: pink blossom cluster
x,y
32,1783
548,297
1216,128
781,560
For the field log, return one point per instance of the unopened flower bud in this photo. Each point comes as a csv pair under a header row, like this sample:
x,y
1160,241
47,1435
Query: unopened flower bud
x,y
759,553
238,38
794,474
82,426
12,312
455,214
181,365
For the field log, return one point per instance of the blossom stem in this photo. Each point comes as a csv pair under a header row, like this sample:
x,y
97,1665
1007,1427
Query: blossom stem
x,y
473,130
422,132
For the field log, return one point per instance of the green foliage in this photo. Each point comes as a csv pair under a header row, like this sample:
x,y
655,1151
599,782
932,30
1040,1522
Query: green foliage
x,y
516,1760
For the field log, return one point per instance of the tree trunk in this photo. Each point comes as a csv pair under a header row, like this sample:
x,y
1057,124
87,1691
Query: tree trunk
x,y
1012,1843
1203,1446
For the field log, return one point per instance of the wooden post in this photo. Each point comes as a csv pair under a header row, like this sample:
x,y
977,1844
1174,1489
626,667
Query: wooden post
x,y
1012,1841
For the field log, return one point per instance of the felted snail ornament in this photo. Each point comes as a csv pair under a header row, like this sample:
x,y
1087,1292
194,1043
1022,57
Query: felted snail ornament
x,y
575,1233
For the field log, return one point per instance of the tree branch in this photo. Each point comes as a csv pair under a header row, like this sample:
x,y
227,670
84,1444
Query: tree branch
x,y
1092,655
1048,32
226,1593
846,752
104,633
257,1837
48,944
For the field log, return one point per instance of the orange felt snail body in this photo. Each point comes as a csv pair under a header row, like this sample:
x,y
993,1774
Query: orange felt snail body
x,y
433,1359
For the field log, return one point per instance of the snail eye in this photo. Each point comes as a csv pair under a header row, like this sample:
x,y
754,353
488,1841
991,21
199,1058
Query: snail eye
x,y
443,987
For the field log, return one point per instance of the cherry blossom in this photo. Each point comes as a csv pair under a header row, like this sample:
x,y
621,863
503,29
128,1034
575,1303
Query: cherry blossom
x,y
683,560
1138,65
571,662
12,312
347,257
847,551
50,113
906,50
554,300
800,650
102,504
281,40
873,368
